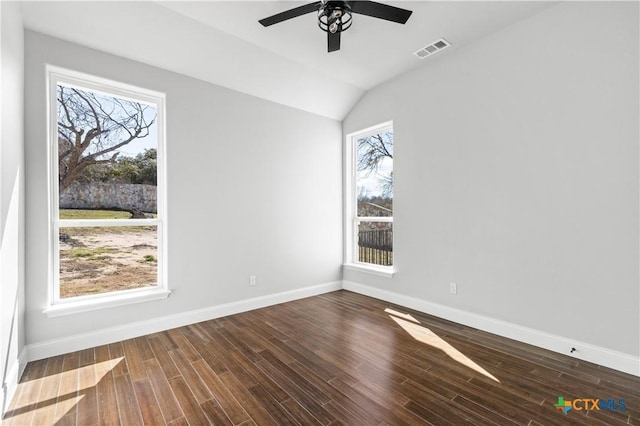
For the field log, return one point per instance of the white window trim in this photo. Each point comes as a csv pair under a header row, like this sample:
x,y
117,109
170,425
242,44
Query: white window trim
x,y
57,306
108,300
381,271
350,216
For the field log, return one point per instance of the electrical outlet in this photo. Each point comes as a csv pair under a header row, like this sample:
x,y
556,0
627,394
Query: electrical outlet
x,y
453,288
252,280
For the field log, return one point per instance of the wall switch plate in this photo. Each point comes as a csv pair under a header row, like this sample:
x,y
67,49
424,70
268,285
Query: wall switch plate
x,y
252,280
453,288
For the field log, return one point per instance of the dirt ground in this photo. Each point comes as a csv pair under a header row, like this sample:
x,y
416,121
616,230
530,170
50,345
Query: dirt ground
x,y
99,260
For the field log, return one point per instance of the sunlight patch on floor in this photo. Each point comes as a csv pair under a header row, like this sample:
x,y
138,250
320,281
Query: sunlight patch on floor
x,y
401,315
46,400
424,335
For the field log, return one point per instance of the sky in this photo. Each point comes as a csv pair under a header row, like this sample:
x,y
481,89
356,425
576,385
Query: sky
x,y
139,145
136,146
372,182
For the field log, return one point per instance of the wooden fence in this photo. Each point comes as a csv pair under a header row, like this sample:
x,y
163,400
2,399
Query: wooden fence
x,y
376,247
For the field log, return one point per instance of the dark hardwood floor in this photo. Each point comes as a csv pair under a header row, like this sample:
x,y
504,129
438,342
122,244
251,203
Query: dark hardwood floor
x,y
338,358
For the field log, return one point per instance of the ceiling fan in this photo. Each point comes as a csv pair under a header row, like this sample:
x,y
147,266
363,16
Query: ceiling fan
x,y
334,17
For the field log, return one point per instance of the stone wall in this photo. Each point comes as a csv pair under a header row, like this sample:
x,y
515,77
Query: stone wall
x,y
107,196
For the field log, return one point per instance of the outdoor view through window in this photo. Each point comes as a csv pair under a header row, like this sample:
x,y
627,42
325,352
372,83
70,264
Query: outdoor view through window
x,y
106,220
374,191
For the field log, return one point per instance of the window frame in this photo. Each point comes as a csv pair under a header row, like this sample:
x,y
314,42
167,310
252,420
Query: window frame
x,y
352,220
56,305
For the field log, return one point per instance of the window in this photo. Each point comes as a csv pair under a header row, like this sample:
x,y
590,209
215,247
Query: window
x,y
369,242
107,193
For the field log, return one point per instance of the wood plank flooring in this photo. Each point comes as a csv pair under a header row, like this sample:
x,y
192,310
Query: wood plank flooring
x,y
338,358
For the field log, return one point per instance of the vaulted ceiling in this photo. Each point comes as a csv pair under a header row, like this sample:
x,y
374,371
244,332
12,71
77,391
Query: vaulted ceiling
x,y
221,42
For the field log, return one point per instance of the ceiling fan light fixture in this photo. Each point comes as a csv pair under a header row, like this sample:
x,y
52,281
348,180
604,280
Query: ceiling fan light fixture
x,y
333,19
334,16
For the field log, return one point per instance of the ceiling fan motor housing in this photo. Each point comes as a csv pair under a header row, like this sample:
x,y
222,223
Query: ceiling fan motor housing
x,y
334,16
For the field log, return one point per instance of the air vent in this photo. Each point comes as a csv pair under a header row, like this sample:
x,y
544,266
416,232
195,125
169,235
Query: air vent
x,y
432,48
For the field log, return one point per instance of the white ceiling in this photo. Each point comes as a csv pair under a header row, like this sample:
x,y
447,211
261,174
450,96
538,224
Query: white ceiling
x,y
221,42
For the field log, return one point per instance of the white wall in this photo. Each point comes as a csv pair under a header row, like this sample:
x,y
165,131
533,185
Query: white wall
x,y
12,335
516,175
254,188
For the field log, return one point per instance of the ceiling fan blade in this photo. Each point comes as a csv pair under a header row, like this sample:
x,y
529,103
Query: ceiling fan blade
x,y
379,10
291,13
333,40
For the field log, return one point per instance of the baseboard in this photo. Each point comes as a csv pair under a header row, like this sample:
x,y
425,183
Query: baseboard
x,y
105,336
598,355
619,361
10,384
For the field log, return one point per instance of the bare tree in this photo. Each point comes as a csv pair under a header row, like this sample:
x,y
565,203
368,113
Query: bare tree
x,y
92,127
372,151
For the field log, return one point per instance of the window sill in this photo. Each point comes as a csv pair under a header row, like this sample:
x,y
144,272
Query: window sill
x,y
383,271
70,308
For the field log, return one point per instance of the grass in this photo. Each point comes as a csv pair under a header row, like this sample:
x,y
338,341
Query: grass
x,y
105,259
93,214
84,272
94,231
88,253
99,214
